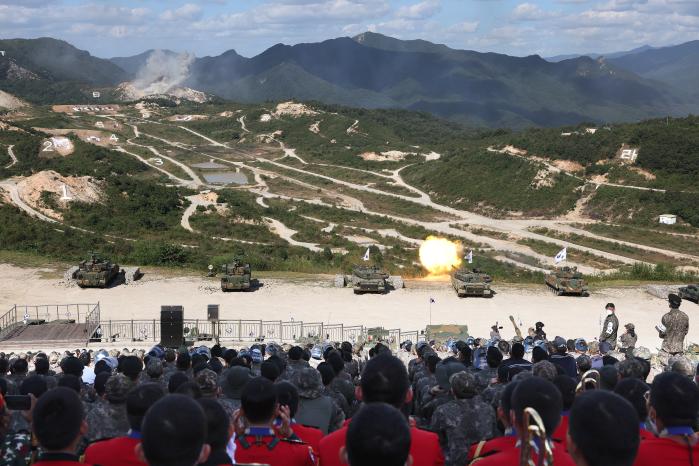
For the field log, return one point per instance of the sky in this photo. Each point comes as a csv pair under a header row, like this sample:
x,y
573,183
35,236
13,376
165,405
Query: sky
x,y
108,28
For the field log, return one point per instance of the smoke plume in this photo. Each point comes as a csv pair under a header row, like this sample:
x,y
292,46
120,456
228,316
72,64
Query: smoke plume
x,y
163,72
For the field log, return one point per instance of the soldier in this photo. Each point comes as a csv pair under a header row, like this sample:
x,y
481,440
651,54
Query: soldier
x,y
256,440
603,430
539,333
674,327
58,423
121,450
295,363
610,327
109,420
233,383
493,358
628,339
462,421
316,409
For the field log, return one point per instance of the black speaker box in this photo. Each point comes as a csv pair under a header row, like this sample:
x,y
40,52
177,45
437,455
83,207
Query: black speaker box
x,y
171,326
212,312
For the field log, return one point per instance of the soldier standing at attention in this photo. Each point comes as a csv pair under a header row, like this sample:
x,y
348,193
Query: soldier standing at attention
x,y
610,327
674,327
539,333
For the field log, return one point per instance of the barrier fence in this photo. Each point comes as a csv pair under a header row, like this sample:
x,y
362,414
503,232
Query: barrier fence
x,y
112,331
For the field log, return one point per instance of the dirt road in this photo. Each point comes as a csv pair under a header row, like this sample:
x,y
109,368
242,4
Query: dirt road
x,y
314,299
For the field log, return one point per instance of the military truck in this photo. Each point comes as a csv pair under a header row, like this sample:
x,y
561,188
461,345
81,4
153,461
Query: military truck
x,y
94,272
690,293
471,283
236,276
369,279
567,281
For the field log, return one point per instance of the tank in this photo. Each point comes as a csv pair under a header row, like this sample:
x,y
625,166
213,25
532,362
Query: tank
x,y
95,272
471,283
567,280
442,334
369,279
236,276
690,293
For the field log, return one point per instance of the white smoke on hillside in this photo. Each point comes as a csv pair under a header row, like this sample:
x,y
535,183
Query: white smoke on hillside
x,y
163,72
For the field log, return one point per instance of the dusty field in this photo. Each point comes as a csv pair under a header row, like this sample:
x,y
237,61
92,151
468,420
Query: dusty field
x,y
315,300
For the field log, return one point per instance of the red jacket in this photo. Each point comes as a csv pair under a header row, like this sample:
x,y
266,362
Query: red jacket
x,y
646,434
667,452
492,446
267,448
115,452
510,457
424,447
560,435
309,435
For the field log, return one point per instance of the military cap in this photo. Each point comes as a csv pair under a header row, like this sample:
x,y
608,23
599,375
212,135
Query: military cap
x,y
256,355
642,352
630,326
674,300
681,365
444,371
610,305
308,382
154,368
581,345
317,352
560,343
539,325
463,384
117,387
235,380
207,380
156,352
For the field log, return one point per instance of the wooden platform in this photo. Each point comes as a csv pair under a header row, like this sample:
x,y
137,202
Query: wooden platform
x,y
51,333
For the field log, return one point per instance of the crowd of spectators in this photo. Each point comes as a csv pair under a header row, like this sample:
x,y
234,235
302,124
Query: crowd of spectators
x,y
472,401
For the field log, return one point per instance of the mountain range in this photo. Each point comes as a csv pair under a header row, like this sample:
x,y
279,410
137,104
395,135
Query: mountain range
x,y
375,71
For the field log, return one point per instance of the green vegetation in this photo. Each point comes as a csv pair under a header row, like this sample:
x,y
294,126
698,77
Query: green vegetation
x,y
612,247
574,255
645,236
475,180
640,207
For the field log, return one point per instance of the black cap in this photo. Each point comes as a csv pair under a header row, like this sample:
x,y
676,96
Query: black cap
x,y
539,324
610,305
674,300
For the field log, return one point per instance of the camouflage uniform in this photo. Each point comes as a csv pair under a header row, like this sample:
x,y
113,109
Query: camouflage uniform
x,y
16,449
462,421
628,339
315,409
340,400
676,325
292,367
109,420
484,376
343,387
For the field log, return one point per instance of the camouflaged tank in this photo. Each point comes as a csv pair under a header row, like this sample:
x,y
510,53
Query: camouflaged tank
x,y
369,279
441,334
567,280
690,293
236,276
95,272
471,283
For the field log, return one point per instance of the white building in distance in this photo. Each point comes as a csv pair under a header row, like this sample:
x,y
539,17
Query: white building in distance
x,y
667,219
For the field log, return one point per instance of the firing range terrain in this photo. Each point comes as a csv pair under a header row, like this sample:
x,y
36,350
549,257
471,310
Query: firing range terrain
x,y
308,187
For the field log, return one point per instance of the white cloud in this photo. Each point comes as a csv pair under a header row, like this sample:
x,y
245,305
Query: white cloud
x,y
464,27
531,12
423,10
187,12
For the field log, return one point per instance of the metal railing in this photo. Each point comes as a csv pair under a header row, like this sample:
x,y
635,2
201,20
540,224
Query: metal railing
x,y
243,331
19,315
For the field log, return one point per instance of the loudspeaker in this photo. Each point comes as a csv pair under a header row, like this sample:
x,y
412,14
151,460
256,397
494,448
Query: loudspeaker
x,y
212,312
171,326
